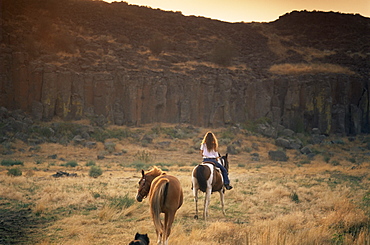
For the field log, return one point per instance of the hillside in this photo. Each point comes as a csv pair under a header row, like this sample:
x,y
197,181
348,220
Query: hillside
x,y
133,65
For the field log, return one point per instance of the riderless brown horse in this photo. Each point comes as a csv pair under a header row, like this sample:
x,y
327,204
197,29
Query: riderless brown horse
x,y
207,178
165,196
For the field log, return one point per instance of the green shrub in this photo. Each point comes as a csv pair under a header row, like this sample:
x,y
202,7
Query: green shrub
x,y
327,159
252,125
228,133
96,195
90,163
138,165
122,202
14,172
66,131
335,163
95,171
294,197
110,146
247,149
70,164
352,160
366,203
11,162
305,161
144,156
175,133
39,161
120,133
298,124
102,135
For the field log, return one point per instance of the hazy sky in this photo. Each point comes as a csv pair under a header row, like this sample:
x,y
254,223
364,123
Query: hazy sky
x,y
253,10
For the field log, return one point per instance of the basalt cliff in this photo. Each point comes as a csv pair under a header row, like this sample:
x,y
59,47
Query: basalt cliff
x,y
133,65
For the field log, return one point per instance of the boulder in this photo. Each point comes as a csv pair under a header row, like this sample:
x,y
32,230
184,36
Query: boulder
x,y
278,156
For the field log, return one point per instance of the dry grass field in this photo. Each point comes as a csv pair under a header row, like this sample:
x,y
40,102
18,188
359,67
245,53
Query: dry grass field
x,y
323,200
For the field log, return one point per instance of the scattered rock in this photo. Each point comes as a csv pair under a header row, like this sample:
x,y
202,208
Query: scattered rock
x,y
267,130
278,156
288,143
90,144
287,132
315,131
78,140
63,174
255,157
317,138
54,156
163,144
311,155
306,150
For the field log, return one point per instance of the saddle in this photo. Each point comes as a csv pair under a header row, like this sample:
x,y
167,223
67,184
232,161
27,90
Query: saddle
x,y
215,175
209,163
214,165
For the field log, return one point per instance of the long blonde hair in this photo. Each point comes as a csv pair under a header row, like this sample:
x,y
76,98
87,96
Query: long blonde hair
x,y
211,141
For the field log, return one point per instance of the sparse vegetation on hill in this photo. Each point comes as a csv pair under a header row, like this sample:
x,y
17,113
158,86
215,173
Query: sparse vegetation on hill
x,y
128,65
286,69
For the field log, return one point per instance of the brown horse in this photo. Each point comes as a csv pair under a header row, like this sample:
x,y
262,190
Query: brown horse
x,y
165,196
207,178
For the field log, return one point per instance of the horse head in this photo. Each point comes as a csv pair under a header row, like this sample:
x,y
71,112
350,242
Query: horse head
x,y
144,186
225,162
145,182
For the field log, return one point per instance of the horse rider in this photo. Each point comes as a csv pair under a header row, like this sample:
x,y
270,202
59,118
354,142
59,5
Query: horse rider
x,y
209,151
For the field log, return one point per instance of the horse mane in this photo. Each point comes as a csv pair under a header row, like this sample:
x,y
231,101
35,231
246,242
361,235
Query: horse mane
x,y
155,171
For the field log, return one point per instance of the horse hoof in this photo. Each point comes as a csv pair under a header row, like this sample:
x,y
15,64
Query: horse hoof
x,y
195,216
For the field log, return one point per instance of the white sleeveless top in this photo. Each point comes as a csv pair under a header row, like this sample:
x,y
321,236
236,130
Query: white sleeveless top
x,y
208,154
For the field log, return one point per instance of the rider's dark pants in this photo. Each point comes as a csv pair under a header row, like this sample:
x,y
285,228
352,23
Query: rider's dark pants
x,y
223,170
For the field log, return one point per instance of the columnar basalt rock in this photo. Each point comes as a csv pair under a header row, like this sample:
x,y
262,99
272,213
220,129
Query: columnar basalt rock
x,y
334,104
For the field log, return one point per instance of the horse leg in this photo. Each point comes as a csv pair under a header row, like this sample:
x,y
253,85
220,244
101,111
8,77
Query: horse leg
x,y
207,200
159,236
159,232
195,193
222,192
168,220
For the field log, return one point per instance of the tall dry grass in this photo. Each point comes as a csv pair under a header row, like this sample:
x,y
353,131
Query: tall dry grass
x,y
271,203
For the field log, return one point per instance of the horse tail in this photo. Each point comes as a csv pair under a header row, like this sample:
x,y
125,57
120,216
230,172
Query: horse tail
x,y
202,181
158,200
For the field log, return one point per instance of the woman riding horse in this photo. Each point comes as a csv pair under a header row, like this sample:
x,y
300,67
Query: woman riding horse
x,y
209,151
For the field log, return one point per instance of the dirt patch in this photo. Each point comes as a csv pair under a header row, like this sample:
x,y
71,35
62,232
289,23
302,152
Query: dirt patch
x,y
19,226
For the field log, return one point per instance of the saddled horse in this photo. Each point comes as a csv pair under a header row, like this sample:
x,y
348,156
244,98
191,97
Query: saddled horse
x,y
207,178
165,196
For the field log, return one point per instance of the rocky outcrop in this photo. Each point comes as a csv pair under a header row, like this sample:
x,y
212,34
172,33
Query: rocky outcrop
x,y
117,77
332,103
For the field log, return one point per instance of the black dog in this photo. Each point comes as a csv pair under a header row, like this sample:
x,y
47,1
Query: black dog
x,y
140,239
